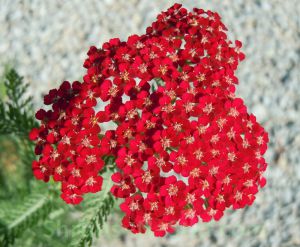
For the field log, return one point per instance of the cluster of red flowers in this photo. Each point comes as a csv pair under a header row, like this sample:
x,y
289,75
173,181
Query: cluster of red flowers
x,y
184,145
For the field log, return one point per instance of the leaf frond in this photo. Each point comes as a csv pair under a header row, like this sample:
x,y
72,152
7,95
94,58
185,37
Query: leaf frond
x,y
16,114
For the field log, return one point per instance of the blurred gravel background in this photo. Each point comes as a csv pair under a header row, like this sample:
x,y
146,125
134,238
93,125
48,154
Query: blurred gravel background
x,y
47,42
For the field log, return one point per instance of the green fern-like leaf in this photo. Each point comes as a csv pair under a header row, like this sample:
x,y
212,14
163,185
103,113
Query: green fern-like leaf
x,y
55,230
95,210
15,109
15,219
26,155
95,213
32,215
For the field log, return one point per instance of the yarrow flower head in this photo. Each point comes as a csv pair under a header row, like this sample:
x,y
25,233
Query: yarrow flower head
x,y
184,145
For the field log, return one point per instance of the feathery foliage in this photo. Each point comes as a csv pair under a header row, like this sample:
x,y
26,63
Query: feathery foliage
x,y
15,219
95,213
31,213
15,109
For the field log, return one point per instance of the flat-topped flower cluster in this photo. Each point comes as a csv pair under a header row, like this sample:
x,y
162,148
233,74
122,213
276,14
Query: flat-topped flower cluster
x,y
184,145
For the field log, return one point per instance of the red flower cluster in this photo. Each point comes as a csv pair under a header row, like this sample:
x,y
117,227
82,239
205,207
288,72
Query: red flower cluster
x,y
184,145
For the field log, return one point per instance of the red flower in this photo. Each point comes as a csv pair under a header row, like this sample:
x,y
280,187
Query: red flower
x,y
185,147
173,190
71,198
92,183
160,228
125,186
